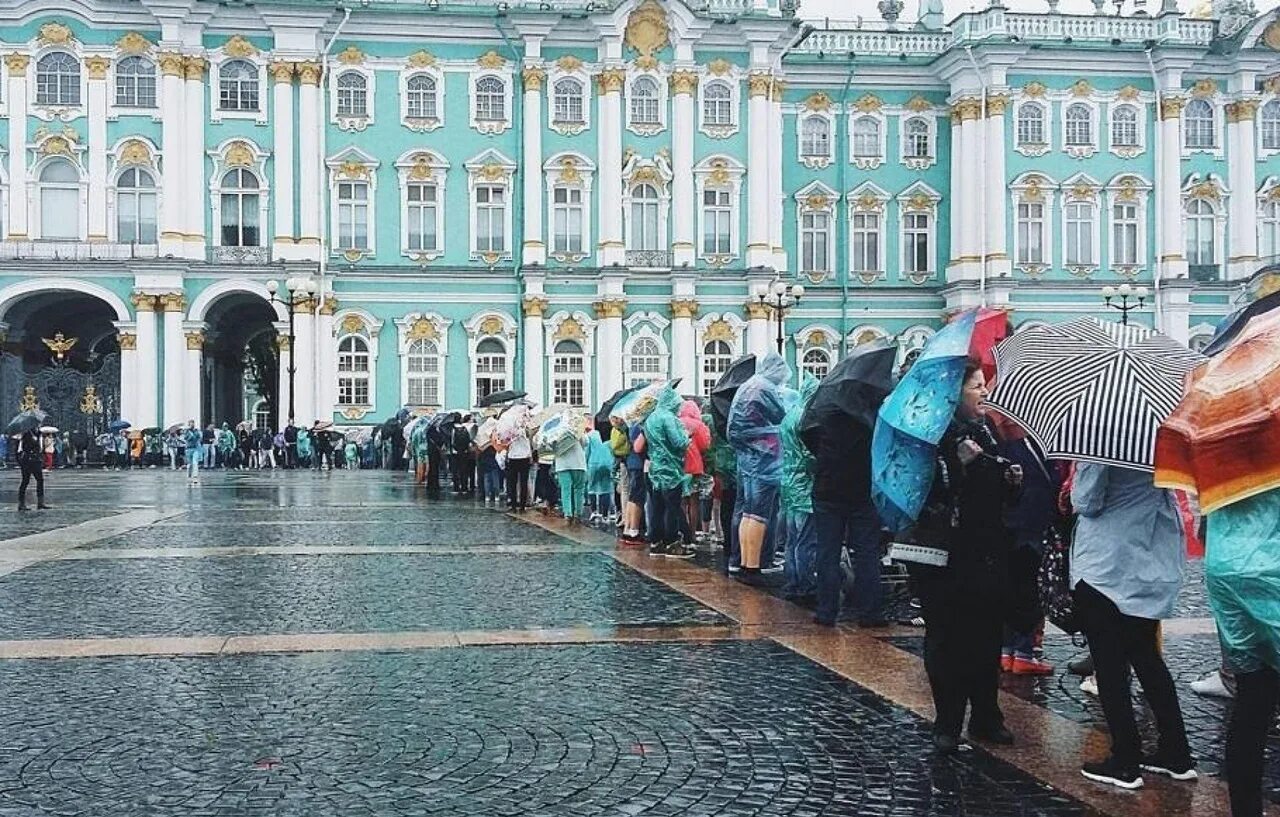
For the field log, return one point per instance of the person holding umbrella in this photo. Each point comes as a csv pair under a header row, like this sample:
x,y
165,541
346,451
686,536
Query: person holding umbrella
x,y
29,455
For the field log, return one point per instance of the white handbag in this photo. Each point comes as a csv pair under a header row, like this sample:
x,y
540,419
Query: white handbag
x,y
918,554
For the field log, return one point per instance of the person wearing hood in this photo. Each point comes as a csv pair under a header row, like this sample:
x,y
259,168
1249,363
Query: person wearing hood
x,y
571,475
796,498
754,418
690,416
665,442
600,477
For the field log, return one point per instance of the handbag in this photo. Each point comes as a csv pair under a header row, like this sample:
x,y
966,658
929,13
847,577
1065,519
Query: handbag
x,y
1054,578
918,554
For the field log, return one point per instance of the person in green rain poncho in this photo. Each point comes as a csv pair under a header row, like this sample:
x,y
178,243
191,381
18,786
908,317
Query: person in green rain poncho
x,y
304,448
665,443
599,478
419,450
796,498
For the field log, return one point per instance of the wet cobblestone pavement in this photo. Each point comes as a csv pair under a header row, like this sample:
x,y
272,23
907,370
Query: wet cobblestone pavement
x,y
221,533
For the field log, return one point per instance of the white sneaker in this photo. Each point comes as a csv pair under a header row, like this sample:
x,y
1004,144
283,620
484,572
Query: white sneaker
x,y
1090,685
1212,686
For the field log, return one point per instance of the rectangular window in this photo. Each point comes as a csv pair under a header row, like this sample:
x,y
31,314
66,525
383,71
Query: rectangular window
x,y
915,241
424,380
1079,234
717,215
353,216
866,242
422,214
815,241
491,219
569,380
136,91
566,214
1124,234
1030,233
491,375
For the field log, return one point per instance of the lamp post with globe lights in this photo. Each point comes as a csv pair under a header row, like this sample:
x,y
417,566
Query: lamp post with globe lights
x,y
1124,292
780,296
296,291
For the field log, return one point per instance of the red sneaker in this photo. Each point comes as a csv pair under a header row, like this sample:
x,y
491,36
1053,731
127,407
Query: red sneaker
x,y
1031,666
1006,663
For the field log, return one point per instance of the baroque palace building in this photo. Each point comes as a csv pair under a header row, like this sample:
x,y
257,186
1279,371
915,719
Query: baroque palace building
x,y
568,197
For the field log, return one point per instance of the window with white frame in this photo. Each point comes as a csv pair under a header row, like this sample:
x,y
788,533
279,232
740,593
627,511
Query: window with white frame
x,y
1078,125
420,97
1031,124
491,218
353,215
815,241
353,94
717,221
566,220
717,104
1199,126
1201,233
717,356
915,140
262,415
136,83
1270,125
567,101
1124,233
644,362
238,87
491,368
1124,126
135,207
353,371
422,373
1269,230
58,79
645,96
865,242
490,99
1079,217
816,363
644,218
423,212
59,200
1030,228
815,137
917,252
866,137
240,205
569,374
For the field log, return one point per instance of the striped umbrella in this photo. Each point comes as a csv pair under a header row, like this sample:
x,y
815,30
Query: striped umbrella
x,y
1092,390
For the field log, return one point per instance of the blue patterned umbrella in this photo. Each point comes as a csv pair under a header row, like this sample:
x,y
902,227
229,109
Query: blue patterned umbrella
x,y
911,422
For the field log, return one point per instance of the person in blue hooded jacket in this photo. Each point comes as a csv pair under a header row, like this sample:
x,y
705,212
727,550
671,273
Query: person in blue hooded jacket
x,y
755,417
665,442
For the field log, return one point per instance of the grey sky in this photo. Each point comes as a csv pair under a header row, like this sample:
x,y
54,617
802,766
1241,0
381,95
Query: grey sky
x,y
850,9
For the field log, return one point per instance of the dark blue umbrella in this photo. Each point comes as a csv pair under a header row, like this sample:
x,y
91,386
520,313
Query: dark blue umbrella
x,y
26,421
118,425
1233,324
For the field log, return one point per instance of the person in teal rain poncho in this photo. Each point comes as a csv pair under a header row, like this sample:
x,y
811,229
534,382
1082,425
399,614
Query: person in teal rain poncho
x,y
419,450
600,477
796,498
665,442
304,447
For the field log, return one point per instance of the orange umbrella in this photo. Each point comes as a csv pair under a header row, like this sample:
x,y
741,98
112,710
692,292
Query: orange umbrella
x,y
1223,440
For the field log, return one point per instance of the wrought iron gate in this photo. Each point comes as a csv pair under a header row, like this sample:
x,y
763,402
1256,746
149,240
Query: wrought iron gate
x,y
75,400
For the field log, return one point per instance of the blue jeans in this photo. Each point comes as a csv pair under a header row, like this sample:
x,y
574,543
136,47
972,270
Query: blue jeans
x,y
802,553
491,483
857,528
665,503
193,462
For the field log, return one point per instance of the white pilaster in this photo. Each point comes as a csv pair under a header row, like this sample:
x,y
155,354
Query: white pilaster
x,y
997,257
1173,245
327,359
282,387
758,341
1242,218
304,360
612,249
684,352
176,408
195,197
309,181
17,93
759,249
282,241
130,393
193,363
147,368
535,250
96,72
969,194
779,252
534,344
609,312
172,214
957,176
683,220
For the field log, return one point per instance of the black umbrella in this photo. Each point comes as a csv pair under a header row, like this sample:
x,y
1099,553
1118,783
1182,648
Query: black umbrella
x,y
852,392
507,396
739,372
26,421
1234,323
602,416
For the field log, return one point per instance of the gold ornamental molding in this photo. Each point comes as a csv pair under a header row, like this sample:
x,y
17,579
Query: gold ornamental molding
x,y
492,326
610,308
134,153
352,325
759,83
1035,90
1034,190
95,67
1171,107
282,72
17,63
533,78
170,63
1242,110
817,201
570,329
646,63
329,305
282,343
193,67
351,55
647,30
684,308
238,46
611,80
491,60
308,73
1202,88
55,146
719,329
534,306
172,302
54,34
422,169
133,43
1207,190
1081,88
966,109
352,170
719,67
128,341
423,329
1082,192
493,172
683,82
238,154
1128,93
569,63
997,104
719,175
867,103
757,311
569,173
421,59
918,104
919,202
868,203
776,88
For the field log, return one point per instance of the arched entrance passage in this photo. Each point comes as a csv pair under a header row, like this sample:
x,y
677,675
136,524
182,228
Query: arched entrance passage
x,y
241,358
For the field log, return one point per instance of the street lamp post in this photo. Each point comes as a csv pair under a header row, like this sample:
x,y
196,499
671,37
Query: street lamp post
x,y
781,297
295,289
1124,292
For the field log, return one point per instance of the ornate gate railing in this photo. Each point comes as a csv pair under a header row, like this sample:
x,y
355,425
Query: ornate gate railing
x,y
75,400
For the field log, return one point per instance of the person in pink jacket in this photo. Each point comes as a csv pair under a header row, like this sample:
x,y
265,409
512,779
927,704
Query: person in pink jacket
x,y
690,416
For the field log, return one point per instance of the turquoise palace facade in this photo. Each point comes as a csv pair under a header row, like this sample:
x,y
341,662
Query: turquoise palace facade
x,y
227,209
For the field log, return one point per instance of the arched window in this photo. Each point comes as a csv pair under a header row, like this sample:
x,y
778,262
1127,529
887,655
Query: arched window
x,y
1079,124
1271,125
644,217
717,104
1269,231
1201,238
866,137
353,371
566,97
916,142
1198,125
644,364
136,83
58,79
816,362
1124,126
262,415
644,102
716,357
1031,124
136,207
491,99
238,86
422,362
240,204
815,137
491,368
60,200
421,103
353,94
569,374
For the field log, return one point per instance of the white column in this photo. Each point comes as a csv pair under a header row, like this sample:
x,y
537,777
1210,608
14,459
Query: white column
x,y
759,250
1242,218
778,252
969,192
309,181
953,200
683,218
326,359
758,325
96,72
173,183
304,359
1172,252
533,344
130,394
609,312
612,249
535,249
684,353
196,193
994,207
17,90
282,246
282,387
193,365
175,404
147,383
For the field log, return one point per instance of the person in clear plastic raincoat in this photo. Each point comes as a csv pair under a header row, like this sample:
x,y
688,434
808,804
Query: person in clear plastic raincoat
x,y
796,498
599,477
665,441
754,419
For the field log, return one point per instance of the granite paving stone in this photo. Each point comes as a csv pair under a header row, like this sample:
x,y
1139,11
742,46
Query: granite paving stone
x,y
231,531
14,523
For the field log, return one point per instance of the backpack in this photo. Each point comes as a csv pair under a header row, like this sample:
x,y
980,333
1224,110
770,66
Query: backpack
x,y
1054,578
